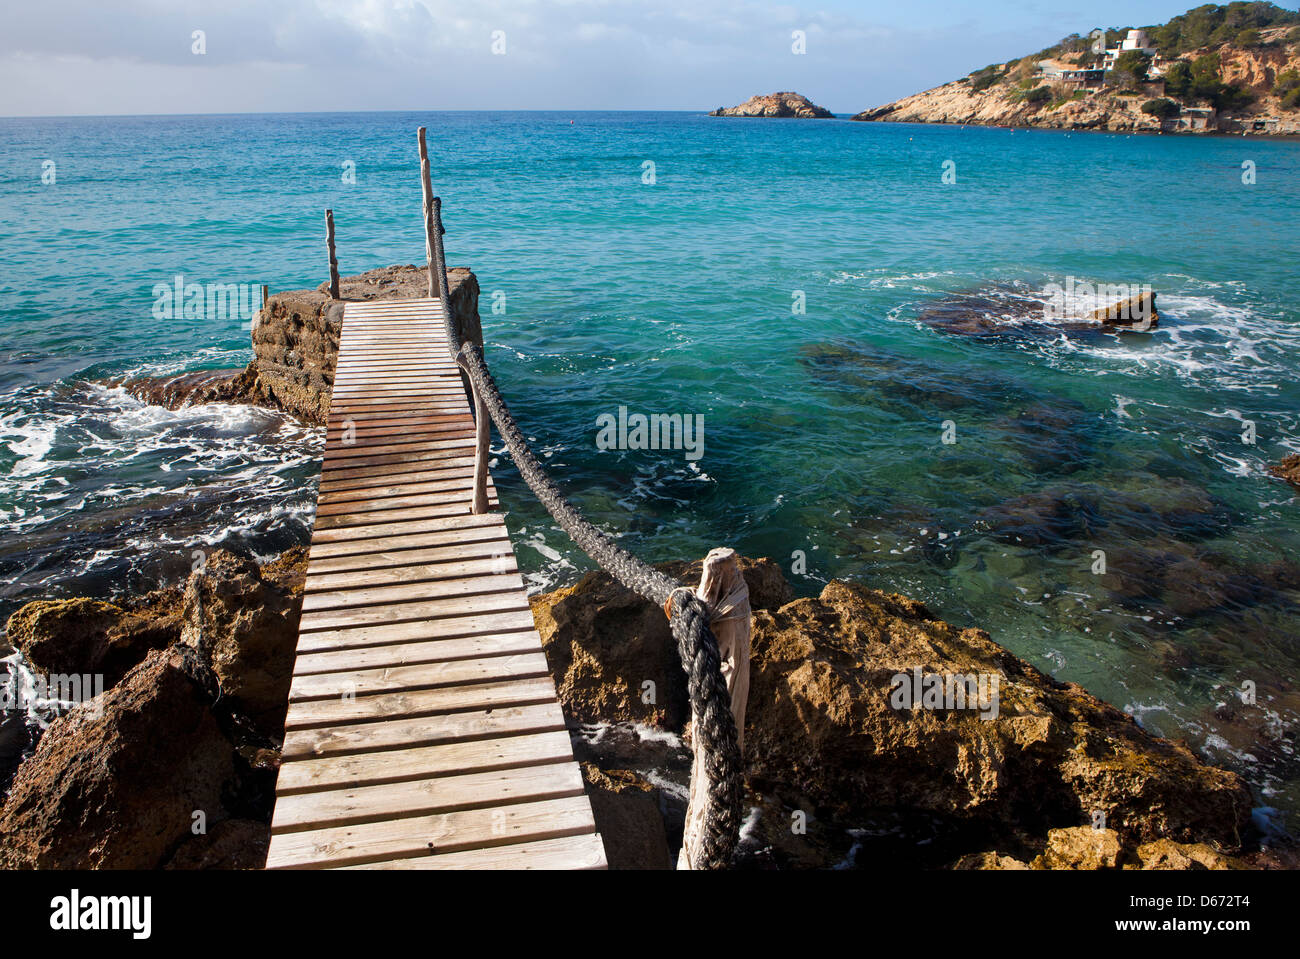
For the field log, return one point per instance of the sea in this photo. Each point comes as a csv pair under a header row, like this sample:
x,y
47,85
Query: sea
x,y
1099,502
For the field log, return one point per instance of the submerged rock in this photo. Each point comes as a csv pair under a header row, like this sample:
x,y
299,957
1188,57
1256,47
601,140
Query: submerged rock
x,y
1009,311
783,104
1068,513
190,389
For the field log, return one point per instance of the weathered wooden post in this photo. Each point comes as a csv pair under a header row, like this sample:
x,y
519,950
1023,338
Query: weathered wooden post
x,y
427,184
723,589
334,260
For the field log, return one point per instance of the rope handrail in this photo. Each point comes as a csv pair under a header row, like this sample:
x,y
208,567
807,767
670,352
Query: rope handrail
x,y
715,725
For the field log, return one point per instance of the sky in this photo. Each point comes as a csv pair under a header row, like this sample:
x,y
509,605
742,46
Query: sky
x,y
90,57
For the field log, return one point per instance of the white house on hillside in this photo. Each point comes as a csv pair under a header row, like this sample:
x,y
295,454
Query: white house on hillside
x,y
1136,40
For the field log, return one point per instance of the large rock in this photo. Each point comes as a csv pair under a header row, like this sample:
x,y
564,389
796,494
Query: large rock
x,y
244,619
86,636
782,105
604,643
820,720
296,340
117,786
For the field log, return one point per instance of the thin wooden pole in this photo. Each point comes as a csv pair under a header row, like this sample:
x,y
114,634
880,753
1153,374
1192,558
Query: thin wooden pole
x,y
334,260
427,184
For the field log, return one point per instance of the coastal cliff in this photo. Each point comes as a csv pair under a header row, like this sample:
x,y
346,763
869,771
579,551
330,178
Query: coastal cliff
x,y
786,104
1221,87
295,345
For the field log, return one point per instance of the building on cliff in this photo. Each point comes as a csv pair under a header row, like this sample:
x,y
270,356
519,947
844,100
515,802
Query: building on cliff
x,y
1140,41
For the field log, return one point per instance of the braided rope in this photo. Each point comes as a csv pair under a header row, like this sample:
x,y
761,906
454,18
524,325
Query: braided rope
x,y
688,615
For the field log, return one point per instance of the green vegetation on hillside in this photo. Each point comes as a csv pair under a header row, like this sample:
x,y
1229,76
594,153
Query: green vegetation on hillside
x,y
1237,22
1212,23
1287,86
1201,79
1162,108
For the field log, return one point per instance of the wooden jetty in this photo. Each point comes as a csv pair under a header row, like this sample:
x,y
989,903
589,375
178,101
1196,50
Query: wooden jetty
x,y
423,729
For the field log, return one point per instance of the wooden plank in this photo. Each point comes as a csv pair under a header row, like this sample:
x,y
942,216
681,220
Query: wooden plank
x,y
380,737
511,615
495,561
422,835
397,485
423,762
414,653
410,513
585,853
419,702
392,598
387,500
571,852
395,679
448,528
392,802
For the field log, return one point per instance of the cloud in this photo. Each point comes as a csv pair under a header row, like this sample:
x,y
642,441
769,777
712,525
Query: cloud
x,y
135,56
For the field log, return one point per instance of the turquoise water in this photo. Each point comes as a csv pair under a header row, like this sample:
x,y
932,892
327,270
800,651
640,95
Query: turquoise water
x,y
823,430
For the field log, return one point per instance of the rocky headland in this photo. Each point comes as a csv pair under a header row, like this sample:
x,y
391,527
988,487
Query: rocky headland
x,y
1244,86
786,105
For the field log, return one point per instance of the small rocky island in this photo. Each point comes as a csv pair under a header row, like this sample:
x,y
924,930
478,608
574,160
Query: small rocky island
x,y
786,105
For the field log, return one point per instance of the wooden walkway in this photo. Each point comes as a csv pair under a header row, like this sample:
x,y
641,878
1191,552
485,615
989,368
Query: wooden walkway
x,y
423,729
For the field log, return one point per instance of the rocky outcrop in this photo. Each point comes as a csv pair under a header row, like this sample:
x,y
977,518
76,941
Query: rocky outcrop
x,y
175,764
783,105
821,719
119,787
244,620
1288,469
628,818
827,746
959,102
295,345
75,636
